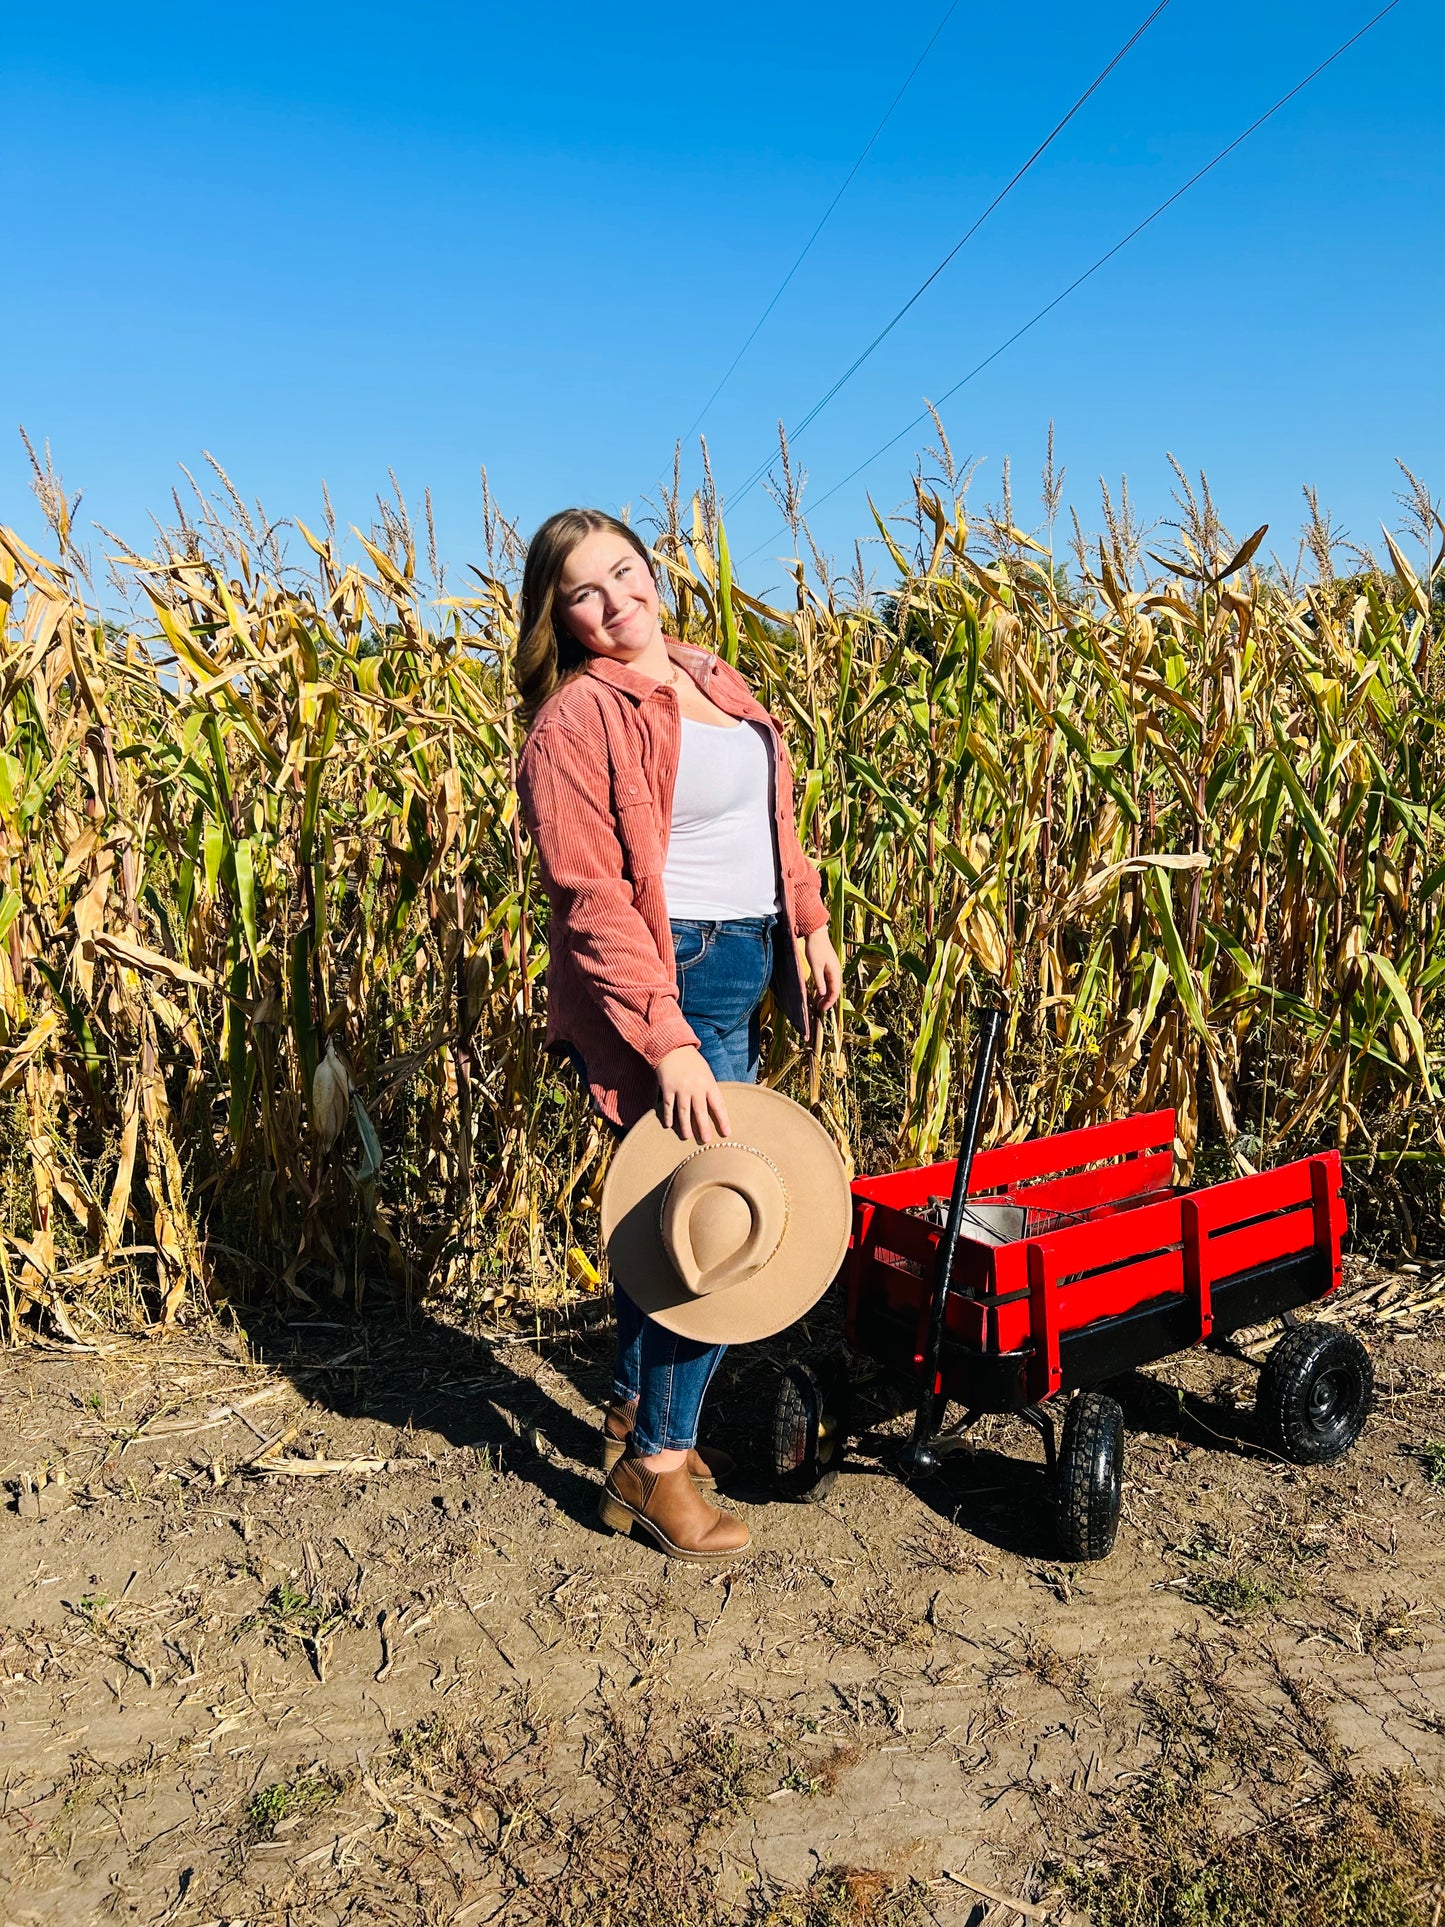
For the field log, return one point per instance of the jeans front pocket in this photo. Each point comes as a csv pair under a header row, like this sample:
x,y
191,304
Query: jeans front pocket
x,y
690,944
740,964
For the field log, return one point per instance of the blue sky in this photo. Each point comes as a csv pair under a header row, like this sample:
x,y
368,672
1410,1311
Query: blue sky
x,y
329,242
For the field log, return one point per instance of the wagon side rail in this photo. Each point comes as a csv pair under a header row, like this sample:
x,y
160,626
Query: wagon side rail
x,y
1250,1224
1095,1165
1105,1297
1079,1170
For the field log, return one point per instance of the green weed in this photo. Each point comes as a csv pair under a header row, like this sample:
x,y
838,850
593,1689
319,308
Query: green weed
x,y
1234,1595
288,1606
1225,1580
289,1799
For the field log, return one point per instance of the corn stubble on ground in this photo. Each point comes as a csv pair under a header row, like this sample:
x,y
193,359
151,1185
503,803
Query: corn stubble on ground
x,y
437,1693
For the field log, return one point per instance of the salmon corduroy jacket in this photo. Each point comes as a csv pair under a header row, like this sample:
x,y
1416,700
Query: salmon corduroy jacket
x,y
595,781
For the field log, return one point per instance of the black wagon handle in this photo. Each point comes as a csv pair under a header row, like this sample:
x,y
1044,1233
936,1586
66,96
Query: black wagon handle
x,y
918,1454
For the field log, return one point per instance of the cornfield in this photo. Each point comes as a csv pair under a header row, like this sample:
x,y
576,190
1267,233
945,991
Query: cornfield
x,y
272,939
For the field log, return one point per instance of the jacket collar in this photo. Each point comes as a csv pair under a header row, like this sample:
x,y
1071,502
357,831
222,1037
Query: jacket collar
x,y
698,663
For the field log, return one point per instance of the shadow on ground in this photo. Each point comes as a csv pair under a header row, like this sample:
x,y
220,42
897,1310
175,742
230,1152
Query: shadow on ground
x,y
1149,1405
489,1392
533,1402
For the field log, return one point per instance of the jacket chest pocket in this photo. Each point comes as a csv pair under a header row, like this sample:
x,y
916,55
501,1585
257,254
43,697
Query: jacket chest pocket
x,y
633,804
637,833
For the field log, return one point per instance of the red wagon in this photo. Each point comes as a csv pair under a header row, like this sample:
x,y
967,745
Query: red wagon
x,y
1064,1262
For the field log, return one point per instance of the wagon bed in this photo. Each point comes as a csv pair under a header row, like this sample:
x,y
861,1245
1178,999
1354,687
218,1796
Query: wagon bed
x,y
1125,1267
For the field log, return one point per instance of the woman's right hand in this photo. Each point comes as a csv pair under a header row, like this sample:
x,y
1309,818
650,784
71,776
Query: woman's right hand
x,y
692,1099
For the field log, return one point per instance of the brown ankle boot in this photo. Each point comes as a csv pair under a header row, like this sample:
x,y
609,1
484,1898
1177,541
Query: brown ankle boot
x,y
669,1507
706,1465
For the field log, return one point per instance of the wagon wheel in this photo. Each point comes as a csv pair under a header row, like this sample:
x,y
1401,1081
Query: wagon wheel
x,y
1091,1476
1314,1394
810,1425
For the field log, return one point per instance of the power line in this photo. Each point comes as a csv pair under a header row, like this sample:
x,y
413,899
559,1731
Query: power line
x,y
827,213
1148,220
923,287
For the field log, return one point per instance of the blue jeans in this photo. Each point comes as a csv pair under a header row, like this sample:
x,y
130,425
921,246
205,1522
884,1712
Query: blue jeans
x,y
723,970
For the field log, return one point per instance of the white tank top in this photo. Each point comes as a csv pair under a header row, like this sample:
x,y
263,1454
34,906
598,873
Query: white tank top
x,y
722,855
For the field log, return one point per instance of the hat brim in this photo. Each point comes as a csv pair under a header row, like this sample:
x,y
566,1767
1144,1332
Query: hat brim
x,y
809,1253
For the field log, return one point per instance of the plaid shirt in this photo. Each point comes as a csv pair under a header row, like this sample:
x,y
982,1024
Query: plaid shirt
x,y
595,781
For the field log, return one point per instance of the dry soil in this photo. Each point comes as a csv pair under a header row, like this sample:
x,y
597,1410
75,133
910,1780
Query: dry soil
x,y
424,1686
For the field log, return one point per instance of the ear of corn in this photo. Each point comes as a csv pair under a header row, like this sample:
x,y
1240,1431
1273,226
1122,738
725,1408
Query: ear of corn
x,y
271,938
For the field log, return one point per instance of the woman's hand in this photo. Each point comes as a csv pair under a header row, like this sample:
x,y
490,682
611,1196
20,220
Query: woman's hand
x,y
692,1099
825,968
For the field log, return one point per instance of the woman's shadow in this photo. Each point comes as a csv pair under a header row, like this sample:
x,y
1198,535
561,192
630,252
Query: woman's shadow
x,y
501,1394
532,1402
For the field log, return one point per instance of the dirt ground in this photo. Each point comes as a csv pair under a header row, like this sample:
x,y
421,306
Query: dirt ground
x,y
428,1687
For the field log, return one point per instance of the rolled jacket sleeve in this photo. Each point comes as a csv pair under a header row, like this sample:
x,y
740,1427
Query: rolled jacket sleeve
x,y
810,913
568,814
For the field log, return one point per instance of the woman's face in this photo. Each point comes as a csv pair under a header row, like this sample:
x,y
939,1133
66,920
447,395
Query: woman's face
x,y
607,597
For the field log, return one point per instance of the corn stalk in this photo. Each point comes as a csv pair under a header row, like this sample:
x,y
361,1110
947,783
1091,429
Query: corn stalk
x,y
271,940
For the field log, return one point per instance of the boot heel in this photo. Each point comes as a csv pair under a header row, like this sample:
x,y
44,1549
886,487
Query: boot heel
x,y
612,1450
614,1515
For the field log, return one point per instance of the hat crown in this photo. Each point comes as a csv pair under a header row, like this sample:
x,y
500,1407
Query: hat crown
x,y
727,1243
720,1225
723,1216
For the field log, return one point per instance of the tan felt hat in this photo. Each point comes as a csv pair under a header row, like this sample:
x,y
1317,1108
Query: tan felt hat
x,y
732,1241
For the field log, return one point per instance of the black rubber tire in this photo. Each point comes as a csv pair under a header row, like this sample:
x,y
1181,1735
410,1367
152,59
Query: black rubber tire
x,y
810,1423
1091,1476
1314,1394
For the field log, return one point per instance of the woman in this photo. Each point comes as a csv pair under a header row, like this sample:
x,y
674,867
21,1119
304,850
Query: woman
x,y
658,794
